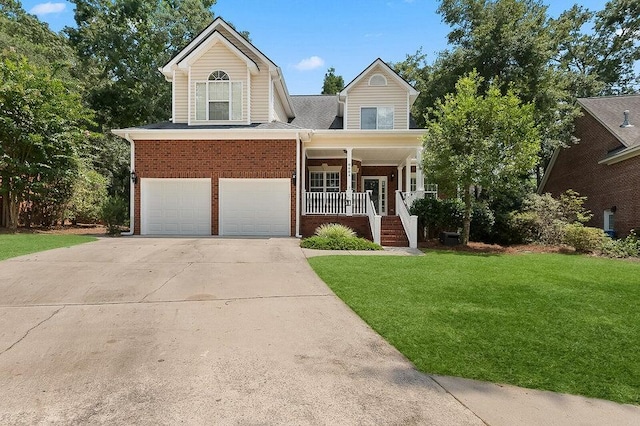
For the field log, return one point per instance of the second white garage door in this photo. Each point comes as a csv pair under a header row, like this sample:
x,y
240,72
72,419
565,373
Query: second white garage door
x,y
259,207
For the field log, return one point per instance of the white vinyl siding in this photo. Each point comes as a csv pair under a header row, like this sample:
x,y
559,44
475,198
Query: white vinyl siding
x,y
278,108
181,107
219,57
260,95
363,95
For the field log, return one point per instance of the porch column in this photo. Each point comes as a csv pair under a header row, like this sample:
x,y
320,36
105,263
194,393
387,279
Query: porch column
x,y
419,176
349,195
400,178
407,173
303,180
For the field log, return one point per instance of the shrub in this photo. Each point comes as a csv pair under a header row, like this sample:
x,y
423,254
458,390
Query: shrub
x,y
624,247
543,219
584,239
482,221
435,215
334,230
114,213
338,243
89,192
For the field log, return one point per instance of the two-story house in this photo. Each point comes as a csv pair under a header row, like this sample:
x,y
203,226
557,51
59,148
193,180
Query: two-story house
x,y
243,157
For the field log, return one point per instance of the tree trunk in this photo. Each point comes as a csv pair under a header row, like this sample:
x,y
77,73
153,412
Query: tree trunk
x,y
13,208
466,221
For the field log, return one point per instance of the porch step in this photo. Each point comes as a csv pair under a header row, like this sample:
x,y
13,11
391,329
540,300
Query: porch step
x,y
392,233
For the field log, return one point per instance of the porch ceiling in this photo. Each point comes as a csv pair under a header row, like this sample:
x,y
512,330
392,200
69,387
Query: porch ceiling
x,y
373,156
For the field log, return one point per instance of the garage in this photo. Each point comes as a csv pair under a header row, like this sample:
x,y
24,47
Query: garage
x,y
175,206
260,207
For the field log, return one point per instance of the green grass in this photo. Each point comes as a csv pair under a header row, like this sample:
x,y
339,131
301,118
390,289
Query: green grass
x,y
564,323
12,245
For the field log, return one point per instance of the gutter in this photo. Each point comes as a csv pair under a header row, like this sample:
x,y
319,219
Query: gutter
x,y
132,188
298,178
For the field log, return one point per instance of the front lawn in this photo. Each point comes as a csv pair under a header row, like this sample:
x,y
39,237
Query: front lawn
x,y
12,245
564,323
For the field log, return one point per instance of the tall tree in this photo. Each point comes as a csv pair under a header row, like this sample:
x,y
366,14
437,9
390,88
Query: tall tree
x,y
601,60
26,35
41,123
332,83
122,43
475,140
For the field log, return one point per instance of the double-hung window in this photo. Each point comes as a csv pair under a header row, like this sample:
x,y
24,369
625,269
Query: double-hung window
x,y
218,98
324,181
372,118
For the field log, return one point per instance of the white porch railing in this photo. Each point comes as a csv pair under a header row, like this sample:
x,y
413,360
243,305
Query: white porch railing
x,y
375,220
409,222
335,203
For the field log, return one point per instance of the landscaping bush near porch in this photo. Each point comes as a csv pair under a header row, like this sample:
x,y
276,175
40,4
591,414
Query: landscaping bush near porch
x,y
565,323
333,236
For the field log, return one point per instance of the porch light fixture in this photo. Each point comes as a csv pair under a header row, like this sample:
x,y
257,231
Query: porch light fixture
x,y
393,176
134,177
293,178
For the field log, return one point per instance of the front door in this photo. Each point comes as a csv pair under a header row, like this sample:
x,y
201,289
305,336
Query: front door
x,y
378,187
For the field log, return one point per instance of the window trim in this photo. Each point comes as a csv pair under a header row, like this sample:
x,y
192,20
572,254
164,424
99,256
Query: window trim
x,y
230,84
376,75
377,108
325,170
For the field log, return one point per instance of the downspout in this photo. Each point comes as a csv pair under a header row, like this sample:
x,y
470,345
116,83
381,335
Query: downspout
x,y
132,188
298,218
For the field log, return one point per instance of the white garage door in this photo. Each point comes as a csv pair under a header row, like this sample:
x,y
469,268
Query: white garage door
x,y
255,207
175,206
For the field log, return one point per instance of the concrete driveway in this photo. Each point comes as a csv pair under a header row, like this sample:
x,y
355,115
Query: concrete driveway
x,y
196,331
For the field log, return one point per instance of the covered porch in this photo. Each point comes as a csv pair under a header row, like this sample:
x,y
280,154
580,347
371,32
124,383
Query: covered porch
x,y
372,176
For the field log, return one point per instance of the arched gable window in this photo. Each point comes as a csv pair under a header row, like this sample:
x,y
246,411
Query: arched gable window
x,y
219,98
378,80
218,75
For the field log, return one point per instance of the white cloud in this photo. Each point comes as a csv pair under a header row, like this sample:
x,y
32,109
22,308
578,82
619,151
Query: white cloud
x,y
310,63
47,8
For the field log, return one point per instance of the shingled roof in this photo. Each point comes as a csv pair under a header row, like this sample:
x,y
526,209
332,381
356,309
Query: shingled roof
x,y
609,110
316,112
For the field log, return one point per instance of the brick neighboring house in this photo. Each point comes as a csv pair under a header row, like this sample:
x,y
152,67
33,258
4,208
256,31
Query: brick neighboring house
x,y
605,165
241,156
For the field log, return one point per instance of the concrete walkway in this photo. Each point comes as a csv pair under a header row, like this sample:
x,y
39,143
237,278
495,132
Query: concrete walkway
x,y
221,331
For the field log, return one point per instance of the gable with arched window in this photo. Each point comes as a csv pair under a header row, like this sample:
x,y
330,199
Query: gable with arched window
x,y
219,98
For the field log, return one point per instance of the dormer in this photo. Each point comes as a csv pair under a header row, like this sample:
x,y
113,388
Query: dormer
x,y
377,99
220,78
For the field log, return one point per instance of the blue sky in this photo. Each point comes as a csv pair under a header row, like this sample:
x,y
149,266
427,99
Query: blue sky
x,y
306,37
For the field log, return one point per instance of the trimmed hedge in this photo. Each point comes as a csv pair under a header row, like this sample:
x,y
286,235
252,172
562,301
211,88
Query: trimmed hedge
x,y
338,243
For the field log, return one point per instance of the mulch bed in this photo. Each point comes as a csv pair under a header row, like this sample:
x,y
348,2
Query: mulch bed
x,y
474,247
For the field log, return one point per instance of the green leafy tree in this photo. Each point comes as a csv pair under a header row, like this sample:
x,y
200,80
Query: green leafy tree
x,y
89,193
475,140
26,35
41,123
332,83
602,60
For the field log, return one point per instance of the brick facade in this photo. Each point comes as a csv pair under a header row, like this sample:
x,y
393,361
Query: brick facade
x,y
604,185
215,159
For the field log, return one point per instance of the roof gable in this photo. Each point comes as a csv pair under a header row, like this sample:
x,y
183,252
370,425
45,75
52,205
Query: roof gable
x,y
413,93
230,35
216,38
